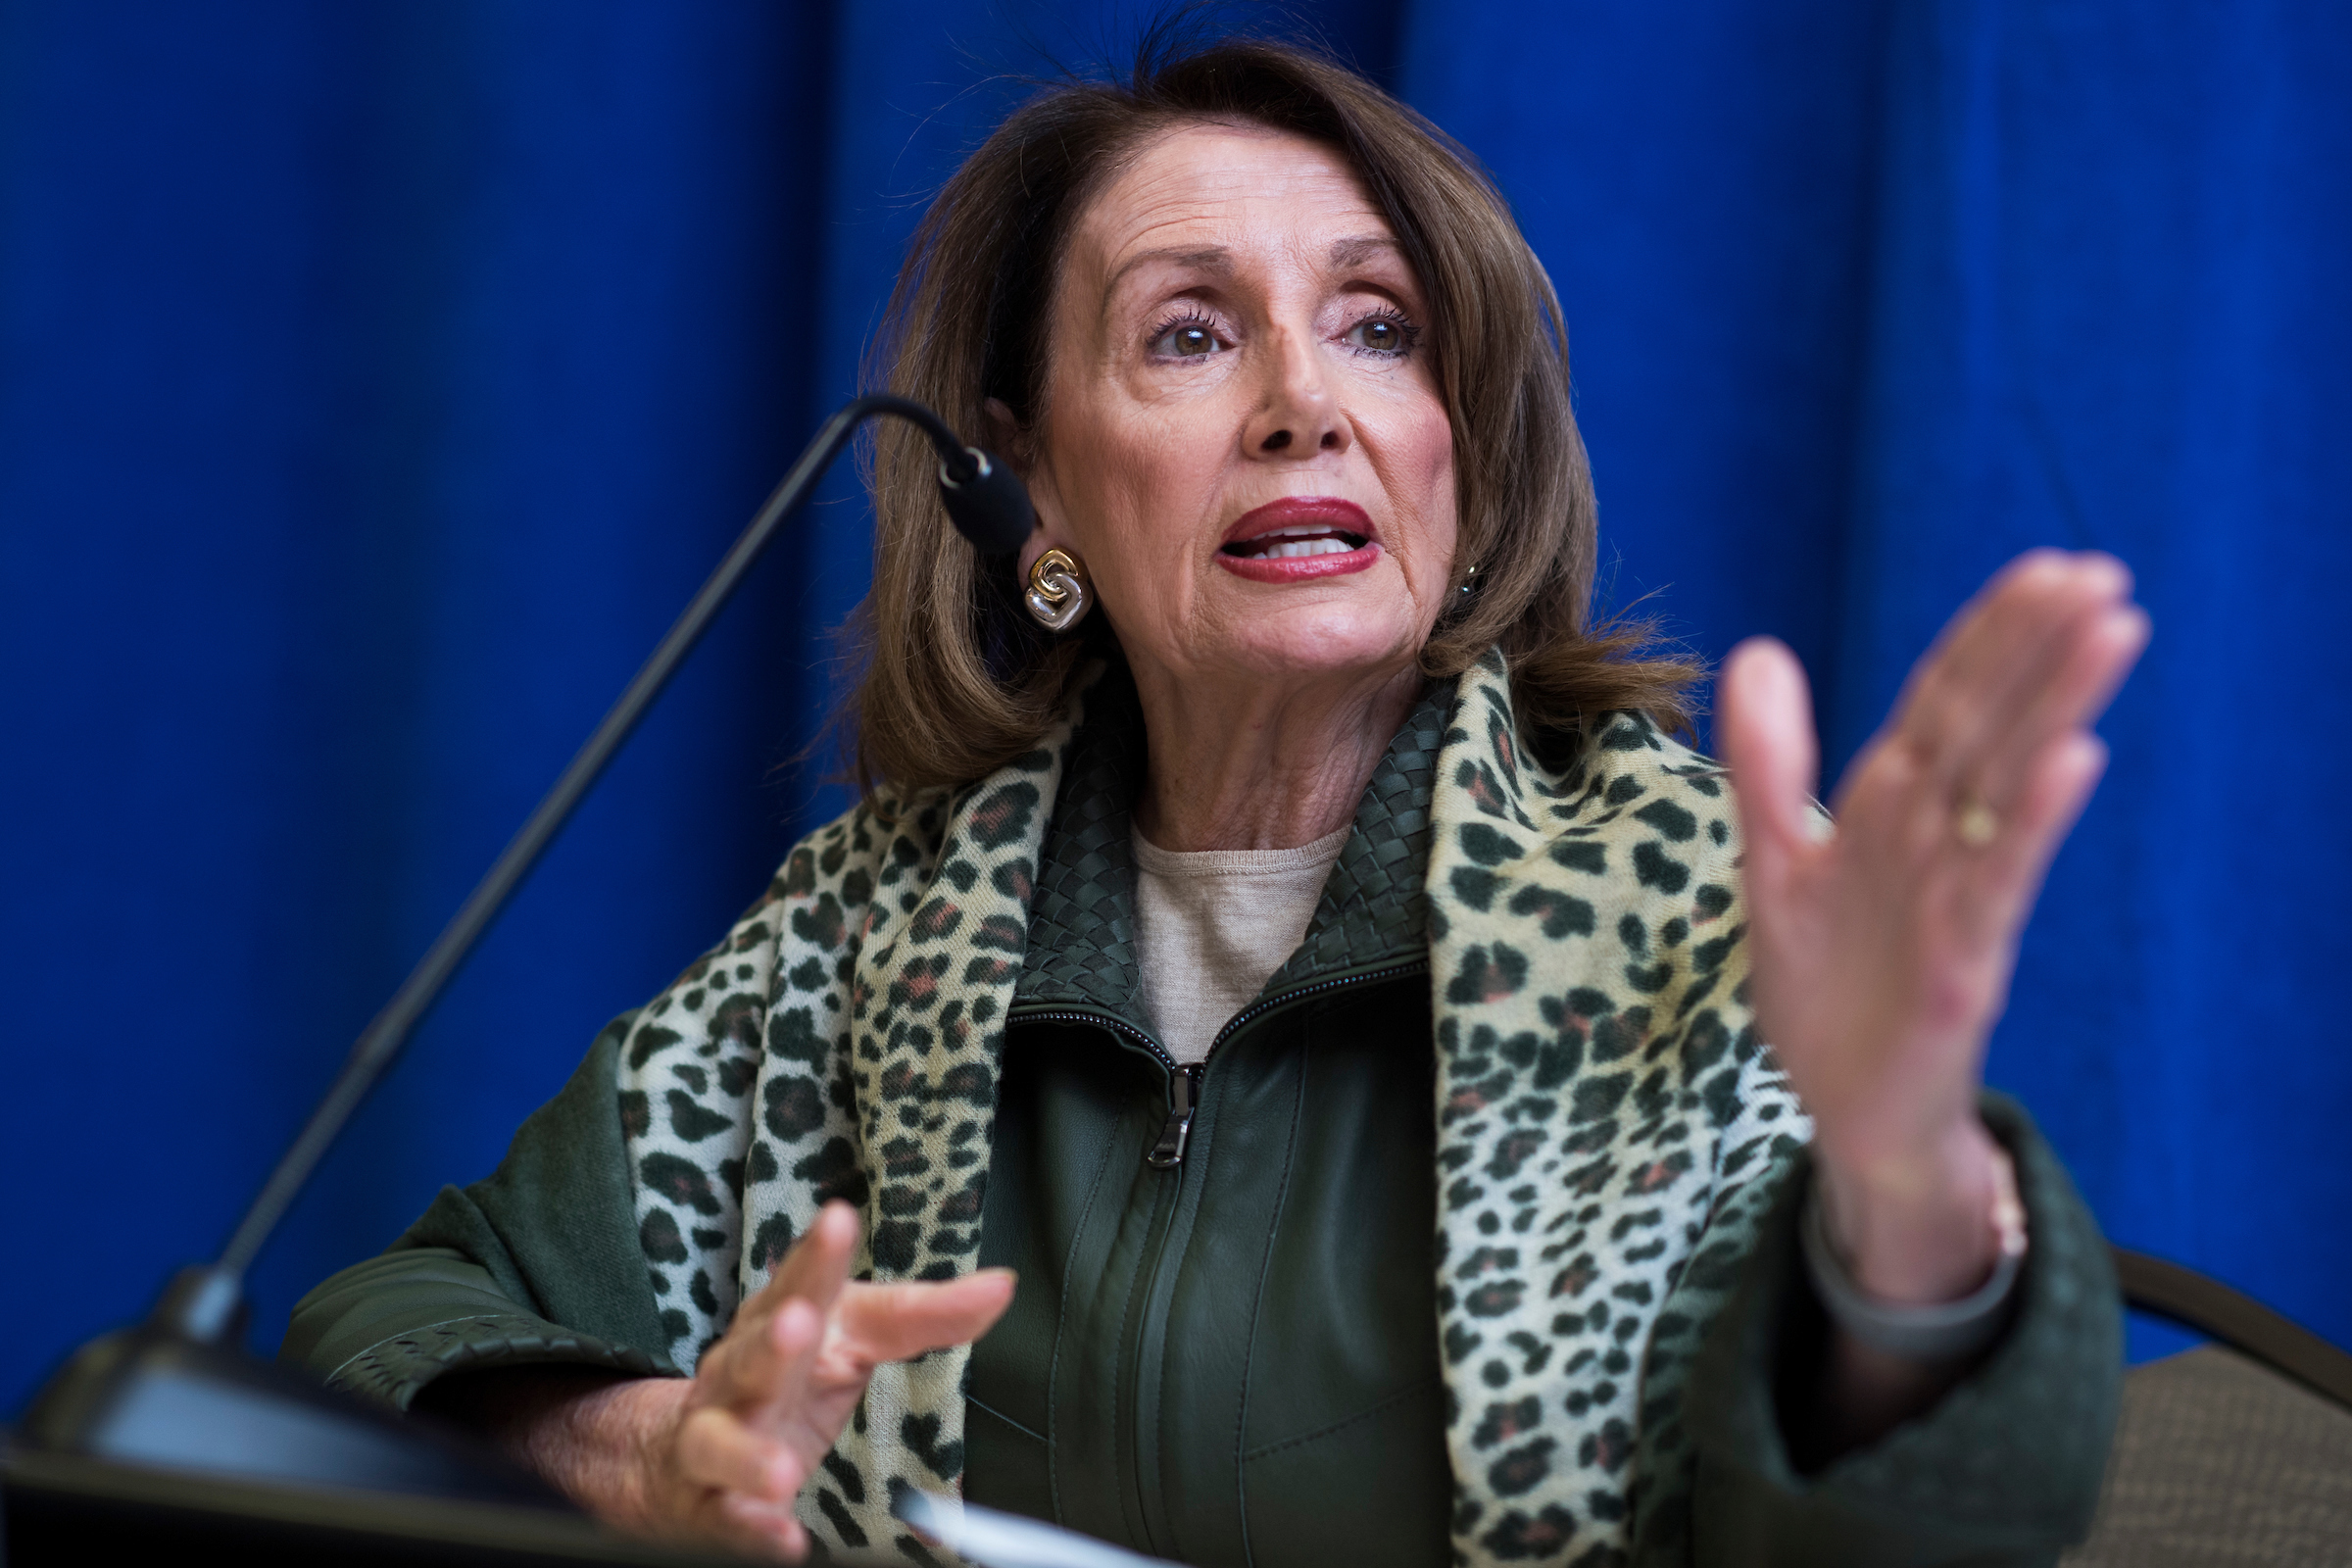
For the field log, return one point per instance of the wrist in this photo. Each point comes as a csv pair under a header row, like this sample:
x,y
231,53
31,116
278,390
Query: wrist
x,y
645,1417
607,1446
1926,1224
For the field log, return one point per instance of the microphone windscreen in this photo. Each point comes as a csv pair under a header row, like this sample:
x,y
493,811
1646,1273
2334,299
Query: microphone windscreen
x,y
990,505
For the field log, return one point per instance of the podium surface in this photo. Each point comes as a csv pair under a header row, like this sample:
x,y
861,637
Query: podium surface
x,y
63,1508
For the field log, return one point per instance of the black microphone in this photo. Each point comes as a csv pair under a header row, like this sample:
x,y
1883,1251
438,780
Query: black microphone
x,y
175,1392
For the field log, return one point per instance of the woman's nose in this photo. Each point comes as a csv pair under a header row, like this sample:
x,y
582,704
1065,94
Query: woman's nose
x,y
1297,413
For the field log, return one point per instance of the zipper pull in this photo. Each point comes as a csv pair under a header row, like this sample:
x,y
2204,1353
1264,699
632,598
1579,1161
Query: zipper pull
x,y
1168,1153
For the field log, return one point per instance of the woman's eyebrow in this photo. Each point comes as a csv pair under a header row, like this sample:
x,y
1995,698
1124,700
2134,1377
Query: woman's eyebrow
x,y
1357,249
1213,258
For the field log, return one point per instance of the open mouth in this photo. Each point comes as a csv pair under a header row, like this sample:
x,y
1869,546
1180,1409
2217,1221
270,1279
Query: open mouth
x,y
1299,539
1297,542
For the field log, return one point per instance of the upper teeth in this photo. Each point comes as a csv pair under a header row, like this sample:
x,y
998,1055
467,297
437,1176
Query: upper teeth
x,y
1299,539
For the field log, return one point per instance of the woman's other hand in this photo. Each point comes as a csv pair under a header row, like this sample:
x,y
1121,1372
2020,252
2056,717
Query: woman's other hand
x,y
723,1456
1882,951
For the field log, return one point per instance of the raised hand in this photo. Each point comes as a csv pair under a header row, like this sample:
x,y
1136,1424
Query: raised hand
x,y
1882,951
722,1458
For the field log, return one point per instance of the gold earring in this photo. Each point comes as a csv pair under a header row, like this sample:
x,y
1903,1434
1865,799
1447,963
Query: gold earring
x,y
1059,594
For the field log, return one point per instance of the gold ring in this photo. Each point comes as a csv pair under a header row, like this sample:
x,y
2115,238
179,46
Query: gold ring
x,y
1975,824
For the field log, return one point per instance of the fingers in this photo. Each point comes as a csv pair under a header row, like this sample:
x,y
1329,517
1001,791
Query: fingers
x,y
892,1322
2076,688
767,1526
730,1452
1765,730
2003,629
766,1358
747,1479
2041,811
818,1264
814,1271
1975,693
716,1449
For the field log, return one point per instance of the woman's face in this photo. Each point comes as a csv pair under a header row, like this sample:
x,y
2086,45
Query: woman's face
x,y
1244,440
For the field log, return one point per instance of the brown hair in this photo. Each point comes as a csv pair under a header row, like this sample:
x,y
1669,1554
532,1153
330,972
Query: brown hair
x,y
957,679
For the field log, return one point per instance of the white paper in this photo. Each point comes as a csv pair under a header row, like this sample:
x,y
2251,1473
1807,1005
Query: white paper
x,y
996,1539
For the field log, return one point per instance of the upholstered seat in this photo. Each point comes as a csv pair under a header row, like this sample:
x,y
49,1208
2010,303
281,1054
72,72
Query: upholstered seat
x,y
2221,1457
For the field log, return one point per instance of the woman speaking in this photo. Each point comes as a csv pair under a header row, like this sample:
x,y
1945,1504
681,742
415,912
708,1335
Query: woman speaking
x,y
1291,1062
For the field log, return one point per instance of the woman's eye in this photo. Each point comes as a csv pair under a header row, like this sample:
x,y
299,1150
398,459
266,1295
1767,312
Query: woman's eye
x,y
1382,334
1186,341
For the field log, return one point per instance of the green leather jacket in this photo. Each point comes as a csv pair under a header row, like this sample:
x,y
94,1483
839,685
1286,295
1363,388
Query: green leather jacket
x,y
1224,1348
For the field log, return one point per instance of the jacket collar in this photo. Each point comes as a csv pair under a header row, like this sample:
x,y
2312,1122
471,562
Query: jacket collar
x,y
1081,948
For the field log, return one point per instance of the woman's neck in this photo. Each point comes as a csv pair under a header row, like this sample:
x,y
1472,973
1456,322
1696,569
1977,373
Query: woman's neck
x,y
1251,766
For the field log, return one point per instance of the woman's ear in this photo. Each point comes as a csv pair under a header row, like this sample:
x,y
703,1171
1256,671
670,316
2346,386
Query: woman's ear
x,y
1006,437
1014,444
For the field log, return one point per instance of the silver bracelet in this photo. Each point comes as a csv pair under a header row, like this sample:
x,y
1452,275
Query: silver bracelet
x,y
1943,1331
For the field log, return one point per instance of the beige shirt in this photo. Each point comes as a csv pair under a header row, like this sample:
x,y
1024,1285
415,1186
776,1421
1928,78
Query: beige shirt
x,y
1213,925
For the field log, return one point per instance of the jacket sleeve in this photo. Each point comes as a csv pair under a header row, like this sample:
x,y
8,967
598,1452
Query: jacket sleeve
x,y
537,1265
2004,1468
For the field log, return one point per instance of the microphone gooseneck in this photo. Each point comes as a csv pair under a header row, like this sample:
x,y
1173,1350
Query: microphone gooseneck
x,y
176,1391
988,505
985,499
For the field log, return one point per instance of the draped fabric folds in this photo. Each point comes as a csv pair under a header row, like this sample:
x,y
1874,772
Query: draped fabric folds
x,y
378,379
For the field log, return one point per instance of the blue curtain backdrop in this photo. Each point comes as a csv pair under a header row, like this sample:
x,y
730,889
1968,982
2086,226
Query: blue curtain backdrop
x,y
378,379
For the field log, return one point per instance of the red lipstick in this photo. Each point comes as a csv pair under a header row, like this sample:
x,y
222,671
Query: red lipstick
x,y
1298,539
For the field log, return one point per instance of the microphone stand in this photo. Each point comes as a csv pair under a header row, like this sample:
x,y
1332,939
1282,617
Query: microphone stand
x,y
176,1391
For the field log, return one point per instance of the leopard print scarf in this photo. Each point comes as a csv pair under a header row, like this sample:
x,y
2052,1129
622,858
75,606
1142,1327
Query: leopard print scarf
x,y
1605,1110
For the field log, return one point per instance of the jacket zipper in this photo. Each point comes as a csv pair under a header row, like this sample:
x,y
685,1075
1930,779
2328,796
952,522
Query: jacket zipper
x,y
1183,1081
1168,1153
